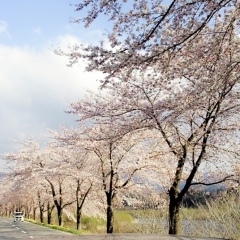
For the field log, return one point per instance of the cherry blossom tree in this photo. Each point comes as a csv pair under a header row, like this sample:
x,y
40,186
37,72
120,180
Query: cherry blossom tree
x,y
75,163
188,56
193,103
58,174
119,161
57,177
39,168
8,200
20,194
143,32
24,177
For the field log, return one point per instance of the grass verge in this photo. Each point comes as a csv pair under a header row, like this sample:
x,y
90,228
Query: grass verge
x,y
64,229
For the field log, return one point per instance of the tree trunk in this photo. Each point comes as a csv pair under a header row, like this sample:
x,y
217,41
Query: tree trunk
x,y
34,213
78,209
79,213
49,218
174,218
10,213
59,213
174,208
109,219
41,209
27,211
80,201
49,213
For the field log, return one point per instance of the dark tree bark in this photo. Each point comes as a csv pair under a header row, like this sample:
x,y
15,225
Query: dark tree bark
x,y
58,201
34,213
49,212
59,214
41,210
80,199
79,214
41,206
110,217
174,207
27,211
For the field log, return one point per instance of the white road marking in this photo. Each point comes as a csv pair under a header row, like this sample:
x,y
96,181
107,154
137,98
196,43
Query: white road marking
x,y
17,227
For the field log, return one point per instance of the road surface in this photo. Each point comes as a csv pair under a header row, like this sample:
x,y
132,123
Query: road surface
x,y
10,230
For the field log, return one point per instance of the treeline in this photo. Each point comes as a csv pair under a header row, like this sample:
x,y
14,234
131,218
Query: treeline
x,y
89,178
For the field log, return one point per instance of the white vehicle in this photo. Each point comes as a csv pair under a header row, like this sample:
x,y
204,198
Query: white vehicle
x,y
18,216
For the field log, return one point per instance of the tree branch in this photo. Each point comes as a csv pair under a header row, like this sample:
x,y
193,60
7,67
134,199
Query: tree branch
x,y
213,183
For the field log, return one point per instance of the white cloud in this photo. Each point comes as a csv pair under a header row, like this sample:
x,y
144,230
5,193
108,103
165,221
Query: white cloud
x,y
3,28
36,89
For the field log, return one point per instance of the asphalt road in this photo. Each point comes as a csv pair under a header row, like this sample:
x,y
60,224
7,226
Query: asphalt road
x,y
10,230
25,230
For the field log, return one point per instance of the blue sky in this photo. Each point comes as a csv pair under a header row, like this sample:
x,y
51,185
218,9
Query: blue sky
x,y
34,22
36,85
31,22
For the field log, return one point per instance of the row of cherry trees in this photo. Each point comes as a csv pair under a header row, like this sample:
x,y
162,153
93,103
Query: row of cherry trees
x,y
168,115
170,68
137,136
140,133
40,179
90,169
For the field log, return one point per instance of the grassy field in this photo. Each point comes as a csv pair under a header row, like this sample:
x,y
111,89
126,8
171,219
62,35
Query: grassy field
x,y
219,218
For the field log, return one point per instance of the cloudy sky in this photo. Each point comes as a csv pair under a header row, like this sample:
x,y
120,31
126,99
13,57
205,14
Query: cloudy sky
x,y
36,85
